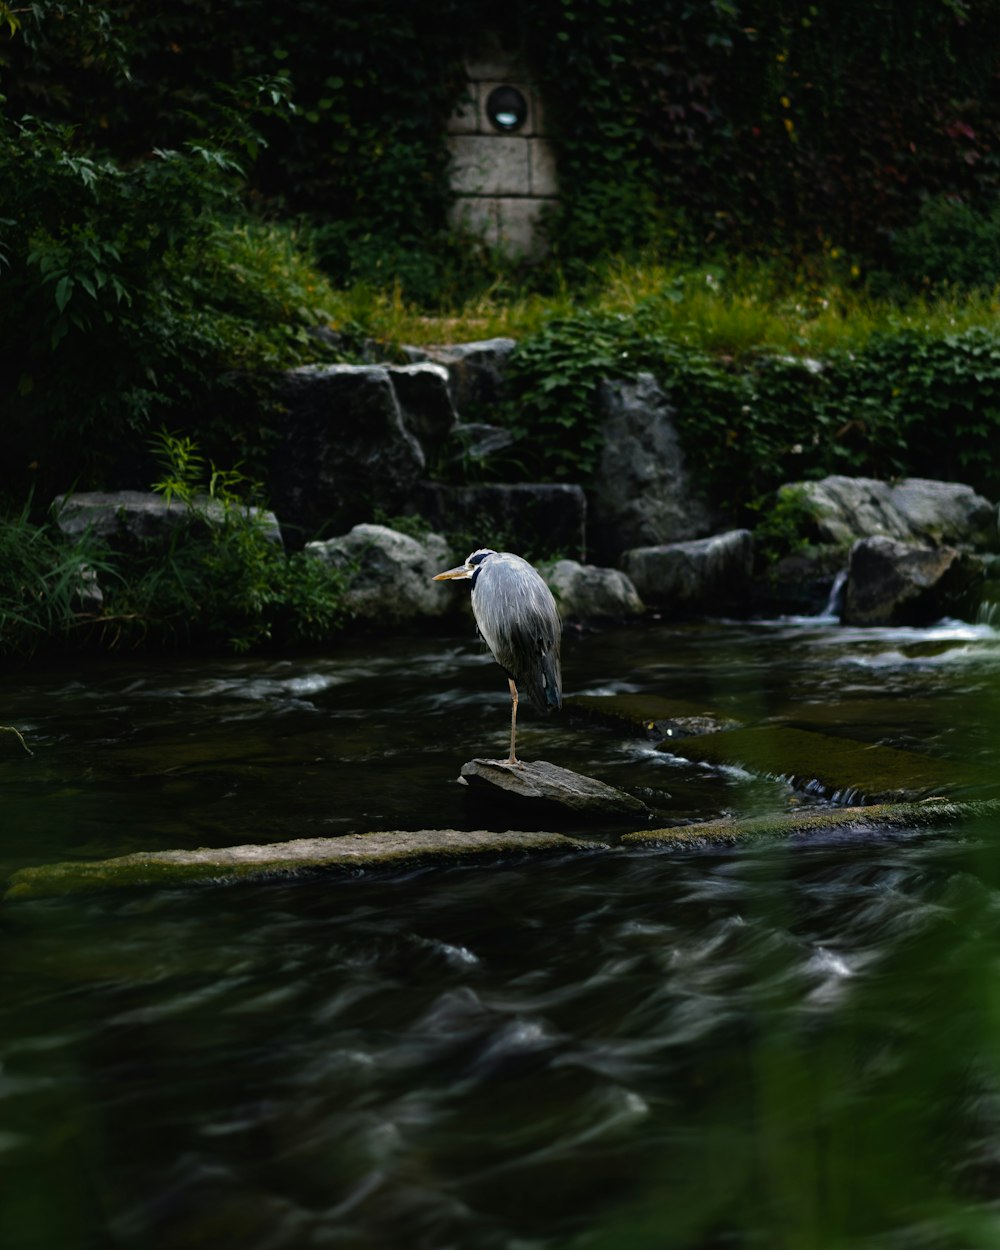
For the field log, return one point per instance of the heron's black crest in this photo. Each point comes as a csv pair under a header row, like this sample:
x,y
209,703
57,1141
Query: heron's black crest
x,y
476,561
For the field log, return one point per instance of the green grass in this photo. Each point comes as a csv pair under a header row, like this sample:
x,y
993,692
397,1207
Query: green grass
x,y
728,311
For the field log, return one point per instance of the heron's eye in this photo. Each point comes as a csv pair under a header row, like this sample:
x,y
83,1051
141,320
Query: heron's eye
x,y
478,557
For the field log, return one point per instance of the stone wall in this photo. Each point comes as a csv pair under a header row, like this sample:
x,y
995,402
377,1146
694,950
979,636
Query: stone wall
x,y
504,180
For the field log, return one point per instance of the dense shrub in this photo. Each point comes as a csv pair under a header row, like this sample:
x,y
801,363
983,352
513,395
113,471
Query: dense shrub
x,y
131,297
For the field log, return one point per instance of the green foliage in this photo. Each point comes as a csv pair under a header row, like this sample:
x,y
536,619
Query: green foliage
x,y
951,243
222,578
908,401
220,581
926,404
783,525
225,585
554,377
130,299
687,127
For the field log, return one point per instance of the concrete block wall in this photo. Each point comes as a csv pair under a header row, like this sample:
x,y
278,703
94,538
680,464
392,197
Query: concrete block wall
x,y
504,181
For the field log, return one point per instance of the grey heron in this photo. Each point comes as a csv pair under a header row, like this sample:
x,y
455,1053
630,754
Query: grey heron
x,y
519,622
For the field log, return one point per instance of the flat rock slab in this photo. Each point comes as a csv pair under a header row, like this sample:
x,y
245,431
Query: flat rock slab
x,y
11,742
879,818
546,785
351,854
839,767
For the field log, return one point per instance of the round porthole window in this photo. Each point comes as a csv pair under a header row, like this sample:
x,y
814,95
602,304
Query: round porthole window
x,y
506,108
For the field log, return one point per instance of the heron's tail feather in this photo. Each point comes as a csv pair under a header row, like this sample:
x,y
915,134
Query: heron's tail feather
x,y
548,695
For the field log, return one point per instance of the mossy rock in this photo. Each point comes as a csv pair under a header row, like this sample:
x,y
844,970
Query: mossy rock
x,y
836,766
652,715
350,854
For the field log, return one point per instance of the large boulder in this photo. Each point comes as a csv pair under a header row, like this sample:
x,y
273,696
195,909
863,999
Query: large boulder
x,y
642,495
345,449
709,575
896,583
389,574
914,510
477,372
126,519
503,515
586,593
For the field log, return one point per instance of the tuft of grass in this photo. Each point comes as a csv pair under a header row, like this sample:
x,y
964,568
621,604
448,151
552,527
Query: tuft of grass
x,y
42,577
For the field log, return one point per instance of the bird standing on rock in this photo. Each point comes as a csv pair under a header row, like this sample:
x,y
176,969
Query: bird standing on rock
x,y
519,622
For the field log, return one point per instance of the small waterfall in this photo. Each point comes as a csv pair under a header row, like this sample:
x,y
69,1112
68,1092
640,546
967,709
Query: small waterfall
x,y
834,602
988,613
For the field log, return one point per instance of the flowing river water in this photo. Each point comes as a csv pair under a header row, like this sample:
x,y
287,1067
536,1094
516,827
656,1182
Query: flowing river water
x,y
788,1043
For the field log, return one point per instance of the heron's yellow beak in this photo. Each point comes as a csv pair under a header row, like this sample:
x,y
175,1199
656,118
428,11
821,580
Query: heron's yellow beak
x,y
463,570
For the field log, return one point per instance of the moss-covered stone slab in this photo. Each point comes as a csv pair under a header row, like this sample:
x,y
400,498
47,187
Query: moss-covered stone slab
x,y
539,784
652,715
352,853
879,817
831,765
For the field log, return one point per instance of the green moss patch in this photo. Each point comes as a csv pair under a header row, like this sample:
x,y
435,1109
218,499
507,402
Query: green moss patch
x,y
352,853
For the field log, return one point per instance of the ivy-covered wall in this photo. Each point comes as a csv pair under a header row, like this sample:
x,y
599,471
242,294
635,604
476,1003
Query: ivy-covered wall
x,y
761,123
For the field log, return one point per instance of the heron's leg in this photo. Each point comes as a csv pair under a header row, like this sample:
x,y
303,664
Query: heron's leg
x,y
513,719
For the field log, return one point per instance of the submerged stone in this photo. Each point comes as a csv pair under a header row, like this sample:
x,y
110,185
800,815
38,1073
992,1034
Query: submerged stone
x,y
548,786
831,765
352,854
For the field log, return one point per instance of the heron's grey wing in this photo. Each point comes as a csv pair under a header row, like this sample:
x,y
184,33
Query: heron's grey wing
x,y
519,620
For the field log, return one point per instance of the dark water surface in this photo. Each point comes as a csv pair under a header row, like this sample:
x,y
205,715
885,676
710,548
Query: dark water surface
x,y
790,1044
